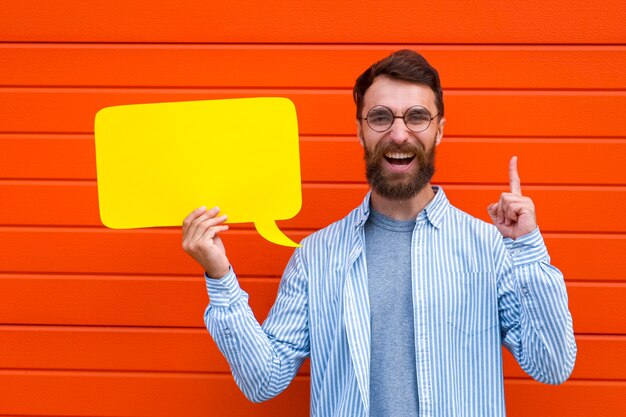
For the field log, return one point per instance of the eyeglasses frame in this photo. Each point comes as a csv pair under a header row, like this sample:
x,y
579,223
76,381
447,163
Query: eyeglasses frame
x,y
403,117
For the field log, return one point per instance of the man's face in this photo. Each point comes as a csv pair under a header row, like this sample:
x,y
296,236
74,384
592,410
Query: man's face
x,y
399,162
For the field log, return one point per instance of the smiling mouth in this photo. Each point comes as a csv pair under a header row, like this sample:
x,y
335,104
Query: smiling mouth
x,y
399,158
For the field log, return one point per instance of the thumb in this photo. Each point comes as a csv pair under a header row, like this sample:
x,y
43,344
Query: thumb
x,y
492,210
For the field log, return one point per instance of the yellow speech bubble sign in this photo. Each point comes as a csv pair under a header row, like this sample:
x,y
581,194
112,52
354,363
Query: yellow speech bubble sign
x,y
157,162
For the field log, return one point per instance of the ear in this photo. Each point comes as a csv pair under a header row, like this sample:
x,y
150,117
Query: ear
x,y
359,132
442,122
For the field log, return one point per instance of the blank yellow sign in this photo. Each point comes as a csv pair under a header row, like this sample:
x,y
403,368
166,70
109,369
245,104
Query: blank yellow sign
x,y
157,162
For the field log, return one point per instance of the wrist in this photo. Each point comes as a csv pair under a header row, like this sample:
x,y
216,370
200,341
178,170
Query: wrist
x,y
214,273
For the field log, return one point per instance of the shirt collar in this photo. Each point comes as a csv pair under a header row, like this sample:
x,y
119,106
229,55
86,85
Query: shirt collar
x,y
437,207
434,211
363,211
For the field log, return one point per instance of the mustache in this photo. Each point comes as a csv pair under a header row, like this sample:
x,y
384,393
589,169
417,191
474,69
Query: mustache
x,y
382,148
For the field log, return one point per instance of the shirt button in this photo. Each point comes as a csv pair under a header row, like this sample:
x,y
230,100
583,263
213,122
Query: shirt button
x,y
525,290
227,331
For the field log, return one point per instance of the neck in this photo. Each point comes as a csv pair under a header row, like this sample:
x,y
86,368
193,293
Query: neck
x,y
402,209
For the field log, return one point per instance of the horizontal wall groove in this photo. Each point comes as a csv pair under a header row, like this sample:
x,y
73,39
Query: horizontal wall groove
x,y
608,337
571,380
42,180
248,230
62,372
102,328
292,89
216,374
69,228
95,327
533,138
100,276
199,330
325,46
51,133
205,375
236,228
128,276
56,415
264,90
128,374
527,186
336,45
347,138
604,285
343,138
118,372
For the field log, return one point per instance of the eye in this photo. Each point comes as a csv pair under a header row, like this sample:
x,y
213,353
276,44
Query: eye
x,y
379,116
417,116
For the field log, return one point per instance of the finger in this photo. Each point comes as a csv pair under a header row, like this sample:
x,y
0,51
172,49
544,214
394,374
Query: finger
x,y
191,233
196,228
196,217
511,215
204,223
192,216
514,210
492,211
212,233
221,228
501,208
211,239
514,181
503,204
213,211
507,200
214,221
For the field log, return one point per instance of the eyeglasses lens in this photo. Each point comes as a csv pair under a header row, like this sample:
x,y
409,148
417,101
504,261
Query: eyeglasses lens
x,y
417,119
381,118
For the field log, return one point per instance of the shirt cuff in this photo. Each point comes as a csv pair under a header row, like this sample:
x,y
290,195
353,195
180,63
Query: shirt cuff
x,y
527,249
223,291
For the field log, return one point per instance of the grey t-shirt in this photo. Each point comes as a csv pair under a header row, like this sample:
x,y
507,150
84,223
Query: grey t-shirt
x,y
393,377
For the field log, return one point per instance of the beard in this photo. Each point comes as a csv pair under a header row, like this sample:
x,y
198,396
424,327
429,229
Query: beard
x,y
399,186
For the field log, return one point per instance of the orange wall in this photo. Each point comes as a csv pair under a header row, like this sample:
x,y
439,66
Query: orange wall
x,y
96,322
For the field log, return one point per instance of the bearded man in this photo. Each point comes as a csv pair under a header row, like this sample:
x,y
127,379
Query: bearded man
x,y
404,304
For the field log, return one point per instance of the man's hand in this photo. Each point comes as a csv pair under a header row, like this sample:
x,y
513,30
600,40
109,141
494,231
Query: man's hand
x,y
202,242
513,214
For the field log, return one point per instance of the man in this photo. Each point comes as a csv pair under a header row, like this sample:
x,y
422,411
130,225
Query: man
x,y
404,304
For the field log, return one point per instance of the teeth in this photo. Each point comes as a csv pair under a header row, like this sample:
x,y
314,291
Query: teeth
x,y
398,155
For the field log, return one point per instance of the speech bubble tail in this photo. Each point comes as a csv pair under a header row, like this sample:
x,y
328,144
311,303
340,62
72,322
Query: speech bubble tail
x,y
270,231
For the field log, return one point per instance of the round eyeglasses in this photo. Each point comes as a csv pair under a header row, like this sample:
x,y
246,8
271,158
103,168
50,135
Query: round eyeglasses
x,y
416,118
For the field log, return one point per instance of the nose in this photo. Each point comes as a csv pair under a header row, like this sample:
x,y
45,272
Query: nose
x,y
398,132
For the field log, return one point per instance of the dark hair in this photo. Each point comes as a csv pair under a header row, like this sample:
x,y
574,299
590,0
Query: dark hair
x,y
403,65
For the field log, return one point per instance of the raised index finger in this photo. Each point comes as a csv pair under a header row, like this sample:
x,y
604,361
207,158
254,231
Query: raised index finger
x,y
516,187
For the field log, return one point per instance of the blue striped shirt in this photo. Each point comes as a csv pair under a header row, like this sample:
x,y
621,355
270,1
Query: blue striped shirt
x,y
473,291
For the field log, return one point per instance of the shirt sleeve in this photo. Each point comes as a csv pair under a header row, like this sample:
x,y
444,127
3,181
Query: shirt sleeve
x,y
263,359
535,321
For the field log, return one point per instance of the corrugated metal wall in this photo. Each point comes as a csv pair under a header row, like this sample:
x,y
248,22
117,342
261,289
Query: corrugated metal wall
x,y
96,322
